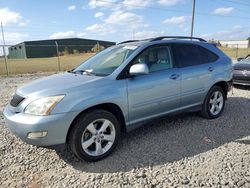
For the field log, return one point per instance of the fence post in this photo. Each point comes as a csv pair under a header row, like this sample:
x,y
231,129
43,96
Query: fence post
x,y
97,47
237,47
4,53
58,58
5,61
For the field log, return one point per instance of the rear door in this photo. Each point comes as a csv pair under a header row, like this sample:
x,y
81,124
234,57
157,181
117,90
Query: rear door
x,y
197,66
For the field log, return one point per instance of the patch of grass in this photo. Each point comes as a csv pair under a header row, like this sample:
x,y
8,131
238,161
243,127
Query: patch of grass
x,y
32,65
234,53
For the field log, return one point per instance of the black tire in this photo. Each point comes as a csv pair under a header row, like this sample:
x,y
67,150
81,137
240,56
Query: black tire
x,y
205,112
80,125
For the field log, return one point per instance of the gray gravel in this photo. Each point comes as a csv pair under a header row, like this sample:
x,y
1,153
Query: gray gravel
x,y
181,151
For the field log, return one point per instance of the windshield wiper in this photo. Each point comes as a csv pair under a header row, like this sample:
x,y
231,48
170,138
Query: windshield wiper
x,y
99,74
71,71
94,73
84,72
87,72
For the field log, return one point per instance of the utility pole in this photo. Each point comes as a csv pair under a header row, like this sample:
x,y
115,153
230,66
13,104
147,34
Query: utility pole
x,y
4,53
192,25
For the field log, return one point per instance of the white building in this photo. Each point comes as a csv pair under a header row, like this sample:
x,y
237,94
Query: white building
x,y
235,44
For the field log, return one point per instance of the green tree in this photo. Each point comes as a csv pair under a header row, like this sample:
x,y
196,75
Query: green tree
x,y
66,51
75,51
97,48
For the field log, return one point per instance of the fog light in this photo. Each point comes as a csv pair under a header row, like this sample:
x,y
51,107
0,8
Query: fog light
x,y
35,135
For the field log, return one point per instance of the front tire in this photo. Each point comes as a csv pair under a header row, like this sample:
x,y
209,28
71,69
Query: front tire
x,y
214,103
94,135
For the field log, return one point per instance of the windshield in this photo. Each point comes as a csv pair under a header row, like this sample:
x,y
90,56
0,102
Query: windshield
x,y
245,61
104,63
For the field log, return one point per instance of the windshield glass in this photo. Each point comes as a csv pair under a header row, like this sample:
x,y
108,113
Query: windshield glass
x,y
245,61
104,63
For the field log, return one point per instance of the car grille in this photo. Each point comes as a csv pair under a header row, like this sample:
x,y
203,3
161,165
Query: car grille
x,y
237,71
16,100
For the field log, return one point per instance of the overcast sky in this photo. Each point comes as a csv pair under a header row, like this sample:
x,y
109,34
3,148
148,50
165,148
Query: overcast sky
x,y
118,20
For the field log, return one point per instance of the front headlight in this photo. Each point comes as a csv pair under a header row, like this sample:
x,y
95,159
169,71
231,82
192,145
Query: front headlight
x,y
43,106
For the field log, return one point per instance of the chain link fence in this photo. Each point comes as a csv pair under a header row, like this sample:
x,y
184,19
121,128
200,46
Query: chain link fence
x,y
56,58
235,51
20,59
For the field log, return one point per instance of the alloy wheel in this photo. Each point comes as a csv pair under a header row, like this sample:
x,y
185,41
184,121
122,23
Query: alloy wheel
x,y
216,103
98,137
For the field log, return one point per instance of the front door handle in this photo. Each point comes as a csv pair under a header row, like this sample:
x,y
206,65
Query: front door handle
x,y
210,69
174,76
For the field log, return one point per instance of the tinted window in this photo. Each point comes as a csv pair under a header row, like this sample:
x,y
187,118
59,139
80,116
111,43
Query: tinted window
x,y
190,55
157,58
187,54
207,56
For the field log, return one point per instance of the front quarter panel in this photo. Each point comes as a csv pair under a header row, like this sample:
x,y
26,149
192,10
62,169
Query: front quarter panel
x,y
84,97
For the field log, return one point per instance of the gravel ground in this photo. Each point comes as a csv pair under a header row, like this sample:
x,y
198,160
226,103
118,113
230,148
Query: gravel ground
x,y
181,151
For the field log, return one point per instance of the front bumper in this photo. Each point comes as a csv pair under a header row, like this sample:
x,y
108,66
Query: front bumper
x,y
241,82
241,77
56,126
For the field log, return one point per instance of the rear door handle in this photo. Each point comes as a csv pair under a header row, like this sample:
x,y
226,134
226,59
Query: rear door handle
x,y
210,69
174,76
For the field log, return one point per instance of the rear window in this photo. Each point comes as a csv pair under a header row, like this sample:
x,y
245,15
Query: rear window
x,y
191,55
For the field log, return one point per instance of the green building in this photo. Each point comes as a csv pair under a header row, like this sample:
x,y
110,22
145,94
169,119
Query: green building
x,y
48,48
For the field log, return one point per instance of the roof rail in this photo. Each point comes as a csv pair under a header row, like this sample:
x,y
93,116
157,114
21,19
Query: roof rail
x,y
177,37
127,41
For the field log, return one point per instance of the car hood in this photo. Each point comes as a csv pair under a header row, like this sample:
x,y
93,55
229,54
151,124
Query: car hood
x,y
56,84
242,66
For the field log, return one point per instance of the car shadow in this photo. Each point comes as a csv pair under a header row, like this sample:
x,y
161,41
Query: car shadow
x,y
241,87
246,142
171,139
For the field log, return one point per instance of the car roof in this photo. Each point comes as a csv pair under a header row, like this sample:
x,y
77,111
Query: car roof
x,y
163,40
168,40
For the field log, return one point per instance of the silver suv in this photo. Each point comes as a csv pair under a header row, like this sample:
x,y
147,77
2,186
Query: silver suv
x,y
118,90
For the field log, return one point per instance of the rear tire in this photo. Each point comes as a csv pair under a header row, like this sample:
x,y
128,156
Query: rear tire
x,y
214,103
94,135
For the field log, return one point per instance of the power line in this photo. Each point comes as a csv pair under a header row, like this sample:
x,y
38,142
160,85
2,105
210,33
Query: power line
x,y
47,45
36,26
141,6
174,10
237,2
225,16
236,8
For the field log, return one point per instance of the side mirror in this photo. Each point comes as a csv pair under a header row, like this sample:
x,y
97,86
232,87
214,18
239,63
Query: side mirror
x,y
240,58
138,69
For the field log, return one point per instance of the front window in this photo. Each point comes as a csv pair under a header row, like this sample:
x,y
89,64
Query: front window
x,y
156,58
105,62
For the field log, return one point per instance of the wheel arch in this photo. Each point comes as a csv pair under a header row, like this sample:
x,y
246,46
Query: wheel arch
x,y
223,85
110,107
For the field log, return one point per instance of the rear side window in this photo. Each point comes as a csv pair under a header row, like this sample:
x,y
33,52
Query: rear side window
x,y
186,54
207,56
190,55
